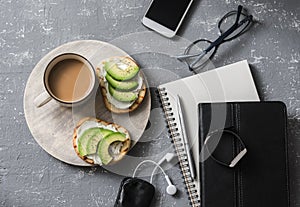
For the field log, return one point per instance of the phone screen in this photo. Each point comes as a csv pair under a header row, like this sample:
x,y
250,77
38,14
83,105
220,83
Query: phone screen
x,y
167,12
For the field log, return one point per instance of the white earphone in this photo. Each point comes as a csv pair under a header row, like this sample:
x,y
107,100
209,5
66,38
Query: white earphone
x,y
168,157
171,189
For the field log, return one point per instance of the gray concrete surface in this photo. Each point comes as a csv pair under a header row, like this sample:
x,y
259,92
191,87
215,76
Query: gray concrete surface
x,y
31,28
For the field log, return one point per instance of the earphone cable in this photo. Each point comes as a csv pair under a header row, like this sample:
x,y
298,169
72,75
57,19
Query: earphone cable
x,y
151,161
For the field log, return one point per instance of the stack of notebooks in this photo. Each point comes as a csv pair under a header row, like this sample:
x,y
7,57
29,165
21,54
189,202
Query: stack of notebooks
x,y
226,99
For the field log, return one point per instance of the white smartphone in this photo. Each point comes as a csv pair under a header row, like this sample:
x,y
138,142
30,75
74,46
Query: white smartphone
x,y
166,16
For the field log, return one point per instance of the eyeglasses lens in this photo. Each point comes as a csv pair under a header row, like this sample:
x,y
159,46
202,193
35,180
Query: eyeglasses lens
x,y
228,20
196,48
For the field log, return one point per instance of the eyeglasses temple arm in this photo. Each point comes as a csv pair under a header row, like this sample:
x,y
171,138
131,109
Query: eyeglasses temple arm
x,y
199,58
248,18
236,25
218,41
239,11
181,57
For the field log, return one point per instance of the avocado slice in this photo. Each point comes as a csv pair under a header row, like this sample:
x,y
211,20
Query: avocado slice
x,y
121,74
121,85
103,146
94,140
84,138
121,95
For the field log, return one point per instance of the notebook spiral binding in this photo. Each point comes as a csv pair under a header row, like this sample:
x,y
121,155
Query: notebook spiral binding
x,y
179,148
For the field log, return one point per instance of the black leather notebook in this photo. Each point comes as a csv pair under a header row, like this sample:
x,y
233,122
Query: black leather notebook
x,y
256,130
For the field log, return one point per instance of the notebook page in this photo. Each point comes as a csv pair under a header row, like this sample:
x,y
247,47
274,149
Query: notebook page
x,y
225,84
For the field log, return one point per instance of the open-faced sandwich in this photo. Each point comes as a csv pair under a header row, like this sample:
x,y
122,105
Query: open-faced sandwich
x,y
122,85
99,142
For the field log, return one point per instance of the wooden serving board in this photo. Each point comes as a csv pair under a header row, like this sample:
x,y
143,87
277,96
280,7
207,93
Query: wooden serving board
x,y
52,125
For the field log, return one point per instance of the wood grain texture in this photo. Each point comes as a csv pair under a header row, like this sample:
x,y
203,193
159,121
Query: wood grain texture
x,y
52,125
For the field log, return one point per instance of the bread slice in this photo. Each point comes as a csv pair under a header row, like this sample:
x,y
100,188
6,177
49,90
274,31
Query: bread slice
x,y
124,149
111,107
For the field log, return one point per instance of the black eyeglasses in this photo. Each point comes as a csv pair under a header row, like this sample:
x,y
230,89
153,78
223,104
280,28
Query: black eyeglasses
x,y
231,25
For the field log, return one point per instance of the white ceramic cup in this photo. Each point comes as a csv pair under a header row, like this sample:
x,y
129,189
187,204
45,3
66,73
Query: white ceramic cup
x,y
48,95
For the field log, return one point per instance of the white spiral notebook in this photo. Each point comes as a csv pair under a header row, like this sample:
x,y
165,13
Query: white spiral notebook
x,y
225,84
